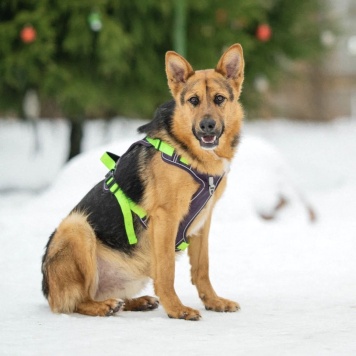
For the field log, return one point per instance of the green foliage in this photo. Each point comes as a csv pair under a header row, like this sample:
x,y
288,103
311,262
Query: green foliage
x,y
120,69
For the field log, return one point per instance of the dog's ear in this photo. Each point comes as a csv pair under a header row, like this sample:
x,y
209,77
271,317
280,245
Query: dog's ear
x,y
178,70
231,66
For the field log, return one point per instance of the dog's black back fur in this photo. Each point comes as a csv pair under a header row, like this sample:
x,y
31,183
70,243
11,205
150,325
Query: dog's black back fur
x,y
101,206
162,120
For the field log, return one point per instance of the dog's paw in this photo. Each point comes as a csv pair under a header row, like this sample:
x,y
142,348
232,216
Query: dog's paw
x,y
141,303
104,308
148,303
185,313
113,306
221,305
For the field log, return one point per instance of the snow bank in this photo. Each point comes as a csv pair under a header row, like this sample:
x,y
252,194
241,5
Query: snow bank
x,y
260,180
295,281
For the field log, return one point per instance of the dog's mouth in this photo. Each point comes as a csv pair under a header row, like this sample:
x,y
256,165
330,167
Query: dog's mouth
x,y
208,142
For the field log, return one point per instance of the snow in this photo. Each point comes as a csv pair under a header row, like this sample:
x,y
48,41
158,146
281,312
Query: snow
x,y
294,279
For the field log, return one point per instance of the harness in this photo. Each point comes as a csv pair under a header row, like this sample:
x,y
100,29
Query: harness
x,y
207,186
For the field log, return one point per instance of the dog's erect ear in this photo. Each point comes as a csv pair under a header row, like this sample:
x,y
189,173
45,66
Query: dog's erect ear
x,y
231,65
178,70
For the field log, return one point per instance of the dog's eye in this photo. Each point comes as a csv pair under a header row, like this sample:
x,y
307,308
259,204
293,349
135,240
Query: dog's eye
x,y
194,100
219,99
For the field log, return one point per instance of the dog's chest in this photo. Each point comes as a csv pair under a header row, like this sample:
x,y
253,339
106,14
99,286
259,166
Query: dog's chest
x,y
200,220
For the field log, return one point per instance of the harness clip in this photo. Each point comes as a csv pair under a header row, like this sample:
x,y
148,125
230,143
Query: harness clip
x,y
110,174
109,179
212,186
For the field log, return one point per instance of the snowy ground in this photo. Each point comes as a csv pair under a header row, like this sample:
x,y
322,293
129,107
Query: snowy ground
x,y
295,280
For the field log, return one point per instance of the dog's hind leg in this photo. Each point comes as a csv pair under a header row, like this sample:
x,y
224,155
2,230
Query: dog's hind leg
x,y
70,270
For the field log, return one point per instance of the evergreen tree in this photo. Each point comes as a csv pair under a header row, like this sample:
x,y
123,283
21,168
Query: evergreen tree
x,y
99,58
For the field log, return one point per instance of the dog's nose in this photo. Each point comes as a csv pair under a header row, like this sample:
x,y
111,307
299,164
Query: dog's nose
x,y
207,125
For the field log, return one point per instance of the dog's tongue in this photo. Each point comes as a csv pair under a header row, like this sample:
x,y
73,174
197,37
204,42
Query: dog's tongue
x,y
208,139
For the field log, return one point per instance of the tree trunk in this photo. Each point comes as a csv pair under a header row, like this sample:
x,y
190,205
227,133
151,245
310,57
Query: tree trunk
x,y
76,136
180,27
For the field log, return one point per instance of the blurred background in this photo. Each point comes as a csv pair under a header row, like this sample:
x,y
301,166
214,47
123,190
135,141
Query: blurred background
x,y
65,65
79,60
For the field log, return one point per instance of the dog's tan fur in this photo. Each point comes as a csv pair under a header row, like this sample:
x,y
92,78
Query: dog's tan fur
x,y
87,277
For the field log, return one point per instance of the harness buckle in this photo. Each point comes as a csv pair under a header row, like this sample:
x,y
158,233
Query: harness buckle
x,y
109,179
212,186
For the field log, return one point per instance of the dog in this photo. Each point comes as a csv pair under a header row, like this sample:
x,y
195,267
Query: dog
x,y
106,250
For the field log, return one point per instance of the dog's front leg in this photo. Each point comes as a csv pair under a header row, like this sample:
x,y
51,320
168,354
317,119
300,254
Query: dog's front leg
x,y
162,236
199,260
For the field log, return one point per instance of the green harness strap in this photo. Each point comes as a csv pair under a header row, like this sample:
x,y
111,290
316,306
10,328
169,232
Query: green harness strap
x,y
164,147
126,204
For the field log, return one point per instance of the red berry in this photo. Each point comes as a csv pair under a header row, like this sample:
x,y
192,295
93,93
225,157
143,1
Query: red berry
x,y
28,34
264,32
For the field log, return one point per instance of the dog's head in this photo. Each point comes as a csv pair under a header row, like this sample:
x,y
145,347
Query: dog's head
x,y
207,101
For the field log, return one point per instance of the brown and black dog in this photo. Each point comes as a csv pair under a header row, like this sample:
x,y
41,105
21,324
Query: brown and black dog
x,y
89,265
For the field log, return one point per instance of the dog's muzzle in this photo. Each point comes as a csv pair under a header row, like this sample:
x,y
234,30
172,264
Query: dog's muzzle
x,y
208,134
